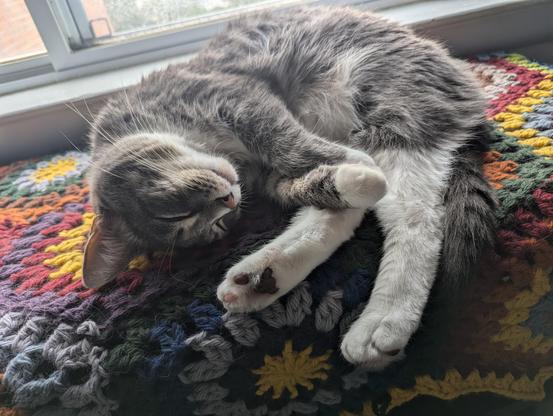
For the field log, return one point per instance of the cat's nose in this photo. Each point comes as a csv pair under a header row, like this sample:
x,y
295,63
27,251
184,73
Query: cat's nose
x,y
229,201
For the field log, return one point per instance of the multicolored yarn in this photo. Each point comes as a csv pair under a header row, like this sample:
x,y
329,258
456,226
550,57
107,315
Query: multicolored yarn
x,y
157,342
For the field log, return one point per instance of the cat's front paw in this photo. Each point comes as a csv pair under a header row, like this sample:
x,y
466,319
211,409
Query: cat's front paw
x,y
360,186
248,287
376,340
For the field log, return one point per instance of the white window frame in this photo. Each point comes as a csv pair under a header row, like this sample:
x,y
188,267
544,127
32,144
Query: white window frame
x,y
25,67
35,121
70,55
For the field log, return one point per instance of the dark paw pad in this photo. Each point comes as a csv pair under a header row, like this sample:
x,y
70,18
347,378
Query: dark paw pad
x,y
267,283
242,279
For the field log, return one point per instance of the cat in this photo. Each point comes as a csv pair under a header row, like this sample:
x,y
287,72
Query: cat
x,y
332,110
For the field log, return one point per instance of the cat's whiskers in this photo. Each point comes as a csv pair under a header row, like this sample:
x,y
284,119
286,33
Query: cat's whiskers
x,y
132,113
168,251
91,162
137,158
75,110
148,124
140,127
245,201
177,235
149,127
165,252
173,156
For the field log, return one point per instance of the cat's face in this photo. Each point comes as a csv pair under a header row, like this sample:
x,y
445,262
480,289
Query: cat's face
x,y
151,192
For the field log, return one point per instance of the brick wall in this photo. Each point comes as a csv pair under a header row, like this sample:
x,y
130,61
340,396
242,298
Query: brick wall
x,y
18,35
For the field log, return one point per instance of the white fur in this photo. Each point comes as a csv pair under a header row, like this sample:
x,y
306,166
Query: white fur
x,y
311,238
360,186
411,215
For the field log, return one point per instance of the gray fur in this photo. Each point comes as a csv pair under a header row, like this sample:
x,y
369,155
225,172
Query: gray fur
x,y
469,218
284,98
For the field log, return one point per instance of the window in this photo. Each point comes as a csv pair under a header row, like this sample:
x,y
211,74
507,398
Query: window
x,y
112,20
43,41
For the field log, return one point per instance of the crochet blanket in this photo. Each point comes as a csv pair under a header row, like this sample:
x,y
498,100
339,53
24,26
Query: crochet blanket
x,y
157,342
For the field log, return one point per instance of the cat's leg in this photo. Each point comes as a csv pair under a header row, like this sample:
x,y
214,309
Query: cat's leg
x,y
268,130
336,187
411,215
267,274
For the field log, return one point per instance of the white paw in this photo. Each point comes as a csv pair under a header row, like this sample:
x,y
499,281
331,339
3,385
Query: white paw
x,y
376,340
250,285
359,185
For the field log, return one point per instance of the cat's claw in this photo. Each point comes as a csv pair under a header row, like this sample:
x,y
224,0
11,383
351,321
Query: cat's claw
x,y
375,340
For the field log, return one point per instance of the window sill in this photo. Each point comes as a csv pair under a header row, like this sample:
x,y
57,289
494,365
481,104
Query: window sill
x,y
466,26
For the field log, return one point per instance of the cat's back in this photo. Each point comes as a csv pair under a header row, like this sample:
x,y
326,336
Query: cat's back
x,y
310,37
334,65
301,48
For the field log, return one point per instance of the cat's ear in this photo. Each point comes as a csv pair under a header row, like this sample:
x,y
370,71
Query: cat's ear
x,y
105,255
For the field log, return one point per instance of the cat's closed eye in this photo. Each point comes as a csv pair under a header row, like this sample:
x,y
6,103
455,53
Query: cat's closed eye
x,y
176,218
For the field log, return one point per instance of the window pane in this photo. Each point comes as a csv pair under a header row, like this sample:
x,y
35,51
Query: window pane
x,y
109,18
18,35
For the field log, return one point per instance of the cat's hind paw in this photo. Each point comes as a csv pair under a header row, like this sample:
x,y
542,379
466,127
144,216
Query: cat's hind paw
x,y
375,341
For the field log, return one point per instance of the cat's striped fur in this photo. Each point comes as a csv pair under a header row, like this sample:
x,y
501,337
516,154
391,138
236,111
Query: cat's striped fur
x,y
332,107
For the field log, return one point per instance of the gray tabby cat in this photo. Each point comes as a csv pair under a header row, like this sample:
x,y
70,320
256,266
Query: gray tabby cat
x,y
333,110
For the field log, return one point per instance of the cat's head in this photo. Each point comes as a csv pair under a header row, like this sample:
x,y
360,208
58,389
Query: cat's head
x,y
152,192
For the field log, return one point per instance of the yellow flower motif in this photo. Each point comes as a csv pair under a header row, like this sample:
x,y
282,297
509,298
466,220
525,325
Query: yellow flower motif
x,y
513,334
69,253
54,169
291,369
54,172
454,385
